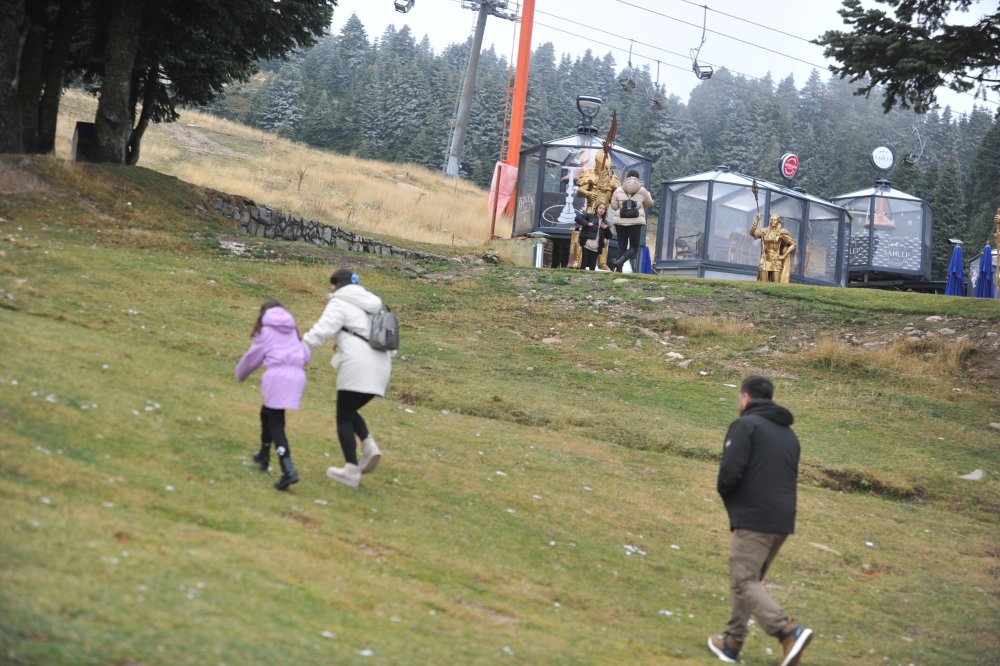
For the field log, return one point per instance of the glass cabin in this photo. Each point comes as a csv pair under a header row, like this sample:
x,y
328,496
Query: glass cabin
x,y
890,235
546,180
705,220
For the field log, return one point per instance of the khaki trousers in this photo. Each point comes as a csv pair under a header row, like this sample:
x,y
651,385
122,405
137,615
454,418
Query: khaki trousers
x,y
750,556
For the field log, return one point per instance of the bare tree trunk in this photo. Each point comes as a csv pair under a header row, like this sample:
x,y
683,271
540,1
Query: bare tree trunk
x,y
55,74
148,96
113,121
31,72
13,27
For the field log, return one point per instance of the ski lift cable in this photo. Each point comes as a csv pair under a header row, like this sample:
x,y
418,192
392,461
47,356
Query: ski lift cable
x,y
663,50
615,47
605,32
722,34
754,23
760,25
715,32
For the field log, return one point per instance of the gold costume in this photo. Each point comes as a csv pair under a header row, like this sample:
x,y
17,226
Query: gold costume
x,y
596,184
996,244
776,248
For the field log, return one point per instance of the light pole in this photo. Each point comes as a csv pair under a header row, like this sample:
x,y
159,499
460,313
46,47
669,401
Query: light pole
x,y
485,7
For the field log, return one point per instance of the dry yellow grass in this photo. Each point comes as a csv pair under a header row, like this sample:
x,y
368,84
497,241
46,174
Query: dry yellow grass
x,y
401,200
903,359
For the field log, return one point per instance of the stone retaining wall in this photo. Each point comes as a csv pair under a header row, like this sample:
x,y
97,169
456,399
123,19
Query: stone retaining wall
x,y
258,220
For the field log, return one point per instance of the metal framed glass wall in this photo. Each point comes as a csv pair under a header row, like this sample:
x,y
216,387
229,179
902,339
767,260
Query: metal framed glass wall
x,y
891,233
705,222
549,170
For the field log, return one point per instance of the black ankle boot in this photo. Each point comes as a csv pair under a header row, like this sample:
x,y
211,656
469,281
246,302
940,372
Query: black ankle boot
x,y
263,458
288,474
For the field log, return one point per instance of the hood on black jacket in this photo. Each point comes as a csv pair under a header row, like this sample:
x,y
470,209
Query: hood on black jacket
x,y
769,410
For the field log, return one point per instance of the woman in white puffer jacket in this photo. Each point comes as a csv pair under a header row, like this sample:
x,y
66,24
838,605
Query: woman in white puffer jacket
x,y
362,372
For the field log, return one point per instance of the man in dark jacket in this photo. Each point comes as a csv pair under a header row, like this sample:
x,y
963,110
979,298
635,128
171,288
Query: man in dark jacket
x,y
757,482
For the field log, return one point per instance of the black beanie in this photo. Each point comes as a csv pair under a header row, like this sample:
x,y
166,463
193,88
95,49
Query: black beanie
x,y
343,276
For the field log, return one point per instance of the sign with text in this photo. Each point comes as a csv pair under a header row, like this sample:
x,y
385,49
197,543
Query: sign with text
x,y
789,165
882,158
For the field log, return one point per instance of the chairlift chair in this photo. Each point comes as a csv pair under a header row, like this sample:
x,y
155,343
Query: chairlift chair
x,y
703,72
628,83
403,6
656,101
912,158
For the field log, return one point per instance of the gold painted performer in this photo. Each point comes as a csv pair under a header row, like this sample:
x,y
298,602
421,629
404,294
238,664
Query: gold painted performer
x,y
776,248
596,184
996,244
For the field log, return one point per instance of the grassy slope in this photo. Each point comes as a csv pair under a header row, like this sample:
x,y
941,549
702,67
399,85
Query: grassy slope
x,y
535,427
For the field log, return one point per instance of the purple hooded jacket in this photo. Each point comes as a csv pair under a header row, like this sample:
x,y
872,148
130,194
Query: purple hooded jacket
x,y
277,347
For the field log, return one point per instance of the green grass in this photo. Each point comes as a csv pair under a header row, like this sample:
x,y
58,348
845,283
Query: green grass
x,y
535,426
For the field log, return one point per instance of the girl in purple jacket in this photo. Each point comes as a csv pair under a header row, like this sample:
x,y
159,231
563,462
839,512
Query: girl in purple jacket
x,y
277,346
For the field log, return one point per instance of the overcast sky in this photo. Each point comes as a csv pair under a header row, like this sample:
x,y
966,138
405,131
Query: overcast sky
x,y
749,38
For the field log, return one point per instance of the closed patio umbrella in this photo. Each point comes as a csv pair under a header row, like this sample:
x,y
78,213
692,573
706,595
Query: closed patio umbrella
x,y
956,274
984,284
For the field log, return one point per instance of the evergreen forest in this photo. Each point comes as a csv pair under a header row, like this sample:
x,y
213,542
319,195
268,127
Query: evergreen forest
x,y
393,98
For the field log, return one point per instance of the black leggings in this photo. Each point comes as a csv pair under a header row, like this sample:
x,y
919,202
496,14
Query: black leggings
x,y
272,429
350,423
628,237
588,259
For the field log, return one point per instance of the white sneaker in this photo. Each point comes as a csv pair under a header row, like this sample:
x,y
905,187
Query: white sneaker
x,y
370,455
349,475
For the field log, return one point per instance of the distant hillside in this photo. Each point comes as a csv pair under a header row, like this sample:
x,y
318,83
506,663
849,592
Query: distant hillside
x,y
397,200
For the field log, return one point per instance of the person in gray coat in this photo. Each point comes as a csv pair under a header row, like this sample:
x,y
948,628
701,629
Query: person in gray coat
x,y
362,372
757,481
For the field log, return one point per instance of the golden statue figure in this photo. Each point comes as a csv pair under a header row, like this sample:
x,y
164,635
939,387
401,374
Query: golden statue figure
x,y
596,184
776,248
996,236
996,244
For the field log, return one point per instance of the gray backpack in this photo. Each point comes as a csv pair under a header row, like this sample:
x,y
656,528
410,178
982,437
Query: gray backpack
x,y
385,331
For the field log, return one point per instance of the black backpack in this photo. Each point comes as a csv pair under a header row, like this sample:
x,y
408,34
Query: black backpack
x,y
629,208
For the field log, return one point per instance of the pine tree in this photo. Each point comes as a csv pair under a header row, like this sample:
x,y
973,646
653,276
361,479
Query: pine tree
x,y
280,103
950,214
394,99
985,187
319,121
543,93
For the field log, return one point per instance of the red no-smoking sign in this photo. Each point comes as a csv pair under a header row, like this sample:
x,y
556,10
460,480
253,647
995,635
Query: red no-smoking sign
x,y
789,165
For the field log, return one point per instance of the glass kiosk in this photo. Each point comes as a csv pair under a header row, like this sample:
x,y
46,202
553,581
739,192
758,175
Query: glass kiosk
x,y
546,180
705,220
890,236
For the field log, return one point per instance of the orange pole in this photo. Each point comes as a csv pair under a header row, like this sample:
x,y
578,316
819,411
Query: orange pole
x,y
520,84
